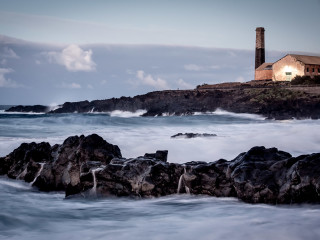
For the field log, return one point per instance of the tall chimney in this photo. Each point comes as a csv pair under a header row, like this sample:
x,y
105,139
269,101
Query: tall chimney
x,y
260,54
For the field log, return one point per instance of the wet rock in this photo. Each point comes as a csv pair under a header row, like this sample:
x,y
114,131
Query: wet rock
x,y
193,135
91,167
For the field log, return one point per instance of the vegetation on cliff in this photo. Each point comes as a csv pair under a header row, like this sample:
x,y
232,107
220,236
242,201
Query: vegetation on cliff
x,y
306,80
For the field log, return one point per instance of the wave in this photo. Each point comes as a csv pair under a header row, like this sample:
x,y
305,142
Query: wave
x,y
14,184
54,107
24,113
127,114
221,112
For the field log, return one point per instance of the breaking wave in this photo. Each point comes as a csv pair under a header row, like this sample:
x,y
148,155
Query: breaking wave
x,y
22,113
127,114
222,112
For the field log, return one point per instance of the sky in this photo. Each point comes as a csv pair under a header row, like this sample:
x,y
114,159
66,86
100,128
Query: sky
x,y
57,51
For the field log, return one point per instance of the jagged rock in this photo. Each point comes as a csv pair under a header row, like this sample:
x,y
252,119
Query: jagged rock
x,y
193,135
61,163
91,167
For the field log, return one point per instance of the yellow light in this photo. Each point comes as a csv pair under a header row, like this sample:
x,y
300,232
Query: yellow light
x,y
288,69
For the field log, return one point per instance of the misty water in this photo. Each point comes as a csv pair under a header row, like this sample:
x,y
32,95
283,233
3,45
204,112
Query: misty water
x,y
27,213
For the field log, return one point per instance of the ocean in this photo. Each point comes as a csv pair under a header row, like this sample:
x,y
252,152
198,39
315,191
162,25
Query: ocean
x,y
27,213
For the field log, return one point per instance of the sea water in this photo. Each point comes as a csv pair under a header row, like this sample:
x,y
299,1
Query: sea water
x,y
29,214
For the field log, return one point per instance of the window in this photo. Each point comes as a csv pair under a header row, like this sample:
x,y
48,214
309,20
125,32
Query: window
x,y
307,69
313,70
318,70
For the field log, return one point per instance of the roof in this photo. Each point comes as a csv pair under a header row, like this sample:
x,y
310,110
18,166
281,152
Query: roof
x,y
314,60
265,66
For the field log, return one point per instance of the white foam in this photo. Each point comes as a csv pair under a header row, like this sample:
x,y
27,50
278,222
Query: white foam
x,y
15,184
93,191
54,107
127,114
26,113
222,112
38,174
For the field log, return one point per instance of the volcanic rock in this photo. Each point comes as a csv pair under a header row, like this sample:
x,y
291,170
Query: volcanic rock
x,y
193,135
91,167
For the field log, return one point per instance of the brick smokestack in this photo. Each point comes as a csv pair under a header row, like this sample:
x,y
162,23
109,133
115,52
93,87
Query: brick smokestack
x,y
260,54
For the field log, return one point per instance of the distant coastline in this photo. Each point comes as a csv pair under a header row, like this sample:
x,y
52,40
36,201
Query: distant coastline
x,y
278,101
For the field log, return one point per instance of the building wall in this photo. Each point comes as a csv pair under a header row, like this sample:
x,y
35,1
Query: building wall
x,y
288,64
263,74
313,70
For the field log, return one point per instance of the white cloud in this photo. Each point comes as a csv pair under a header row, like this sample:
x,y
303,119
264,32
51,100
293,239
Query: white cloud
x,y
158,83
215,67
70,85
7,52
74,59
7,82
182,84
195,67
240,79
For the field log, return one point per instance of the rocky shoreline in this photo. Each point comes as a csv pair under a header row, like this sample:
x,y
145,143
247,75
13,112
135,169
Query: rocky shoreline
x,y
273,103
91,167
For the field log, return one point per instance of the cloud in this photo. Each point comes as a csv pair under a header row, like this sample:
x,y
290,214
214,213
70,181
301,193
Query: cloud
x,y
7,52
182,84
89,86
240,79
7,82
158,83
195,67
70,85
73,58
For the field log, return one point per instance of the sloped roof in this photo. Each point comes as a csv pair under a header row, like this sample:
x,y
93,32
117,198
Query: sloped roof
x,y
265,66
315,60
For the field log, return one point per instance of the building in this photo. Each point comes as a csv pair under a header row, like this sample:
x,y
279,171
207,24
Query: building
x,y
291,65
264,72
286,68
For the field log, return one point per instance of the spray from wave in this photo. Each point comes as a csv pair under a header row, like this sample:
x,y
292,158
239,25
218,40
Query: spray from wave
x,y
127,114
221,112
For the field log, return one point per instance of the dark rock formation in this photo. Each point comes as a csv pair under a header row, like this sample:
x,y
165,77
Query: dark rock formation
x,y
34,109
193,135
277,102
91,167
60,165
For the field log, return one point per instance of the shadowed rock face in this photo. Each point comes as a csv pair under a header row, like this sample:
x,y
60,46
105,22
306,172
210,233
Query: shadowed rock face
x,y
91,167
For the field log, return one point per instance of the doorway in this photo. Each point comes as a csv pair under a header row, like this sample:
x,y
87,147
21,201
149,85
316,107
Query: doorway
x,y
289,76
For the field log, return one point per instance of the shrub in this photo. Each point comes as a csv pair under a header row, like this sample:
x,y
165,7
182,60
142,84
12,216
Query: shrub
x,y
306,80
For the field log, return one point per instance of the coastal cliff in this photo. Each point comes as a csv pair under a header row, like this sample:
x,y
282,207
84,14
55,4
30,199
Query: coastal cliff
x,y
275,103
91,167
